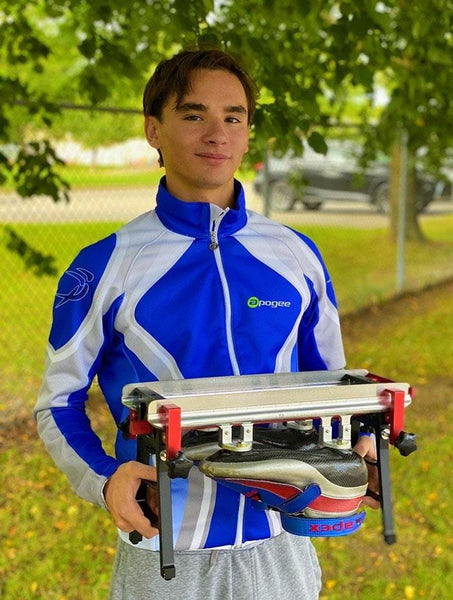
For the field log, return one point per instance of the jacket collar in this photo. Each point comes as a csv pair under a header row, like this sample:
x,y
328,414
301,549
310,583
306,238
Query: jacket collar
x,y
195,218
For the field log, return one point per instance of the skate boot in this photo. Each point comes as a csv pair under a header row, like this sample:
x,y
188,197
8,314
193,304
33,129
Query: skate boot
x,y
198,444
317,489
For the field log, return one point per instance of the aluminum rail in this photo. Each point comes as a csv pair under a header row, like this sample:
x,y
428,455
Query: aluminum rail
x,y
263,398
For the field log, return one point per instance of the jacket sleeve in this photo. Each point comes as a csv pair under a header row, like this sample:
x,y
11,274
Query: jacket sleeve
x,y
77,340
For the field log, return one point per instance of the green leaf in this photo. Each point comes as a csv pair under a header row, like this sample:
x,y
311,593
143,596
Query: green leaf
x,y
88,47
317,142
34,260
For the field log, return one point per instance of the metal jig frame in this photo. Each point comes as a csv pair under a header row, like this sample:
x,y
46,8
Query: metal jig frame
x,y
160,411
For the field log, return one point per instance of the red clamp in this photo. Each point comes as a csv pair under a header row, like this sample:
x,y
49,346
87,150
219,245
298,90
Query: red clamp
x,y
395,416
137,426
170,417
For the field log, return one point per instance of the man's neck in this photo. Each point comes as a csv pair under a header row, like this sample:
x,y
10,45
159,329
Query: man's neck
x,y
223,197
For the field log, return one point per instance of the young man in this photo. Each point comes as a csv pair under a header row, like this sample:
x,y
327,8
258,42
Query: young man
x,y
167,297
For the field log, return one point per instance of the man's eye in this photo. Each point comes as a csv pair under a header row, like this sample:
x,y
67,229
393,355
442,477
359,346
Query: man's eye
x,y
233,120
192,118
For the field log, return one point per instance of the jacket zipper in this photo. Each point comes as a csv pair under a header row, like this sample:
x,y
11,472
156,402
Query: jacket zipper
x,y
226,292
214,229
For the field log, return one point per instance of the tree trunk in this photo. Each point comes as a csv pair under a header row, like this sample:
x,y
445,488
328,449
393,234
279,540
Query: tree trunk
x,y
412,226
94,158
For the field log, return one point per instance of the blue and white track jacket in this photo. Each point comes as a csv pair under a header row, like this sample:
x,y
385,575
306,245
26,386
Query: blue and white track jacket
x,y
185,290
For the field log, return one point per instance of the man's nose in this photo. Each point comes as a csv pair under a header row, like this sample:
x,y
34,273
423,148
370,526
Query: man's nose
x,y
215,132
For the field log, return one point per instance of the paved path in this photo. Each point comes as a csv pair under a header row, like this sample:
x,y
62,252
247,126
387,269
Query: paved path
x,y
123,204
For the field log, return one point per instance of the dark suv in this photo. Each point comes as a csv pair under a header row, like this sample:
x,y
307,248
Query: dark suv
x,y
314,178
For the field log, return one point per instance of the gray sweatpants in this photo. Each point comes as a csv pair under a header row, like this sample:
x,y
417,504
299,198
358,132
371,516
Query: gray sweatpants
x,y
282,568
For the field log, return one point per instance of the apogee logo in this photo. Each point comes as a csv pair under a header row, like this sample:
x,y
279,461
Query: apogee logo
x,y
254,302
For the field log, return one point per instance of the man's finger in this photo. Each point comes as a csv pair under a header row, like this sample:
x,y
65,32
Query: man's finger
x,y
152,498
366,446
138,522
142,471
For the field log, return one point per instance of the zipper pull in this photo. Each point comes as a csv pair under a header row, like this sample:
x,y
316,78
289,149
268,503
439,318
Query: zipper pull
x,y
214,243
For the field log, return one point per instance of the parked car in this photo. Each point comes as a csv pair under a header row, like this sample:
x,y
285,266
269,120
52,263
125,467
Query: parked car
x,y
315,178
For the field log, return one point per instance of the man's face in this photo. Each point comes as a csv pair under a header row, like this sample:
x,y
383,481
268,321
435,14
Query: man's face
x,y
203,140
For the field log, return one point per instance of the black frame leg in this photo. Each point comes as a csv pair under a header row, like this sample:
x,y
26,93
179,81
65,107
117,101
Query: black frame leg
x,y
383,459
167,560
147,445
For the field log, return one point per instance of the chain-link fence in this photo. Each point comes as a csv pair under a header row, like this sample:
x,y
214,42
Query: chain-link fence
x,y
120,186
111,186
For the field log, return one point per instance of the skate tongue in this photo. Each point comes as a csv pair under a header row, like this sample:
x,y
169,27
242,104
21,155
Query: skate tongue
x,y
331,527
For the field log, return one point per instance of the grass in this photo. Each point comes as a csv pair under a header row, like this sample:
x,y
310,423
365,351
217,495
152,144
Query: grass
x,y
55,546
83,176
362,262
26,301
79,176
408,339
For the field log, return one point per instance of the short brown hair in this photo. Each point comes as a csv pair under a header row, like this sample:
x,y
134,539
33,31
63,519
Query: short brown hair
x,y
172,76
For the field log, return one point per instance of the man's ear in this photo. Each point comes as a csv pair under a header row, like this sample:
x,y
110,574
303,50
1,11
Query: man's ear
x,y
152,132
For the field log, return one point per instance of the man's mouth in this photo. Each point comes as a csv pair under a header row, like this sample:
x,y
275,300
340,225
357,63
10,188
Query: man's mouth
x,y
213,157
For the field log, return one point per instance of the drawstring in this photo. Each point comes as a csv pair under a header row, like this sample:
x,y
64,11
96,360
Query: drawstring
x,y
213,559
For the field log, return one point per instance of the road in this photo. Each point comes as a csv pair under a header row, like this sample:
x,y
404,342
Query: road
x,y
123,204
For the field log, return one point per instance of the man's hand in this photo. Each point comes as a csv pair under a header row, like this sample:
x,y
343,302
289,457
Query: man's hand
x,y
366,448
119,493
